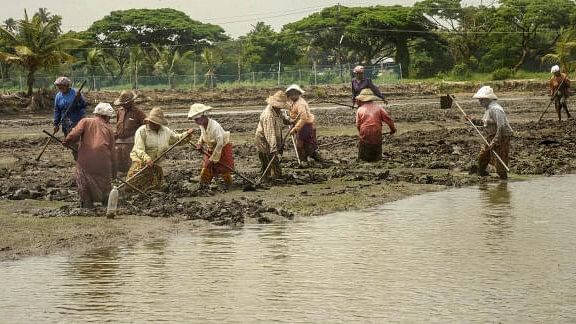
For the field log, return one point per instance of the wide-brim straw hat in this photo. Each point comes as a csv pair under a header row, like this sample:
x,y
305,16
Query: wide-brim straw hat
x,y
125,97
104,109
367,95
485,92
156,116
278,100
295,87
198,109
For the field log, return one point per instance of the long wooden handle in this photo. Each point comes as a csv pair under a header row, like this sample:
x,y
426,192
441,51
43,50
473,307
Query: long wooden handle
x,y
479,133
155,160
231,169
551,100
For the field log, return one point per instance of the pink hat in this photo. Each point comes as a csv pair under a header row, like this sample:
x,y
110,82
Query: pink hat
x,y
62,81
359,69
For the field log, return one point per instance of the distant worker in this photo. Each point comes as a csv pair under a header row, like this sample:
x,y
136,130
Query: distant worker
x,y
95,163
269,134
369,119
304,130
214,143
150,141
498,133
62,101
559,91
128,119
360,82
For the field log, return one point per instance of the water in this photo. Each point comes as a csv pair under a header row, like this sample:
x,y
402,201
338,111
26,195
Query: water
x,y
499,253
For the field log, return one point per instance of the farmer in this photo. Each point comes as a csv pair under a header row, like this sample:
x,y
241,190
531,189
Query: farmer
x,y
498,133
304,129
63,99
128,119
369,119
95,163
269,134
215,145
359,82
150,140
559,91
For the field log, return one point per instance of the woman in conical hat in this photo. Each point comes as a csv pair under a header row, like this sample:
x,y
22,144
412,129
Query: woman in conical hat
x,y
151,140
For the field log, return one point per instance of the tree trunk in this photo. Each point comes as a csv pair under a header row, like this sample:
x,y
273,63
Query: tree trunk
x,y
403,55
522,59
30,81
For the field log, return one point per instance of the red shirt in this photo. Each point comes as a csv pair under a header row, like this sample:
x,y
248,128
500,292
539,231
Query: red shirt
x,y
369,119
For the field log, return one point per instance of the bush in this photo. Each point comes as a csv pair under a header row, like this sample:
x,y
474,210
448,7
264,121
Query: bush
x,y
461,72
502,74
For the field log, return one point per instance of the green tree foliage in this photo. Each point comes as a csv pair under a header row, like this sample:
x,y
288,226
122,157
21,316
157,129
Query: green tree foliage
x,y
262,45
535,23
35,44
564,52
170,61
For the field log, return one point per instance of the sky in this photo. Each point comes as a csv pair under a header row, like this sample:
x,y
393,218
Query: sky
x,y
236,16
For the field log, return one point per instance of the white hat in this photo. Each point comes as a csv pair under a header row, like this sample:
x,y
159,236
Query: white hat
x,y
197,109
485,92
295,87
555,69
104,109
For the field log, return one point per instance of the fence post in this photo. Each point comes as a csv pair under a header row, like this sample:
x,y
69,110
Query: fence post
x,y
20,81
299,75
278,73
253,78
315,80
194,84
400,66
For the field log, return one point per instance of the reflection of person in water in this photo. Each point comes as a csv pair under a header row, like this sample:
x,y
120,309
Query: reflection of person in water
x,y
497,211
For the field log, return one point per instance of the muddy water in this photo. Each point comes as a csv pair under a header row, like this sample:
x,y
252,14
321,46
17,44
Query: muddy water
x,y
498,253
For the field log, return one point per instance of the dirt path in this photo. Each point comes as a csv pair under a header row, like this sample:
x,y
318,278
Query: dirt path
x,y
433,150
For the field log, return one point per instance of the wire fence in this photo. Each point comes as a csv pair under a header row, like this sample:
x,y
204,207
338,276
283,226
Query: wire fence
x,y
211,77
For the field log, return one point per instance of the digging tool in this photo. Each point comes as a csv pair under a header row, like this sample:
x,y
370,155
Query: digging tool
x,y
346,141
479,133
52,137
296,150
155,160
552,99
267,168
252,184
62,119
340,104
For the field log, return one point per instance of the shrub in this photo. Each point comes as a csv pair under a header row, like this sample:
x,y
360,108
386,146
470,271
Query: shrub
x,y
502,74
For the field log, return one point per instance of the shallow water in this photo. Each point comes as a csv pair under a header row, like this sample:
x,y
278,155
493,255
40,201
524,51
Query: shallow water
x,y
499,253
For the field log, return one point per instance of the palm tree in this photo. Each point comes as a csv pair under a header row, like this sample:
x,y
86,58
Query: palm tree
x,y
169,61
211,59
94,59
564,51
10,24
35,45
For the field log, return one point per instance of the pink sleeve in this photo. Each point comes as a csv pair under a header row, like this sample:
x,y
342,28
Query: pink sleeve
x,y
76,132
386,118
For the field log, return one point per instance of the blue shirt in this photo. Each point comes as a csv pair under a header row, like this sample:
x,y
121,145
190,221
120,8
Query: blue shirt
x,y
61,103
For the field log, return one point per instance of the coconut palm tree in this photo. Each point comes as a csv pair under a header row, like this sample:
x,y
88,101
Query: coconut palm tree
x,y
169,61
35,45
211,59
564,51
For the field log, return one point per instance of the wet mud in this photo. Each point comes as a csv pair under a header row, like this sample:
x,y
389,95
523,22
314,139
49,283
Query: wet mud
x,y
434,148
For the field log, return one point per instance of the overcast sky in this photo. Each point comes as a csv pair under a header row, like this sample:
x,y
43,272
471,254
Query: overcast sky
x,y
235,16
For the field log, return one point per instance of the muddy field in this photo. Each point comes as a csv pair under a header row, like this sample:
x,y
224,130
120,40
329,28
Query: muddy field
x,y
434,149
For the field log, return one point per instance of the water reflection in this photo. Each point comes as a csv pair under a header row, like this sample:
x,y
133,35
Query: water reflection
x,y
498,253
497,212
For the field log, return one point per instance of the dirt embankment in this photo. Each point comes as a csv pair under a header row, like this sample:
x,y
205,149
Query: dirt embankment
x,y
434,149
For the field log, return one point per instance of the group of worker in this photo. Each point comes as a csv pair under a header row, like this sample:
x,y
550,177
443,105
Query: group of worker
x,y
135,147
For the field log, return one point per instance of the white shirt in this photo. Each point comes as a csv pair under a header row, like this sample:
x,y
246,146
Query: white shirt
x,y
215,138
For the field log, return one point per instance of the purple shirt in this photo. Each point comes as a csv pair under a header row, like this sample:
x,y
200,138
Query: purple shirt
x,y
358,85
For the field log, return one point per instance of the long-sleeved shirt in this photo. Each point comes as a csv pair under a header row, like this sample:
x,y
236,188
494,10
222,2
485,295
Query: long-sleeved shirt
x,y
96,148
127,122
61,103
555,82
148,144
369,119
270,127
300,108
495,121
358,85
215,138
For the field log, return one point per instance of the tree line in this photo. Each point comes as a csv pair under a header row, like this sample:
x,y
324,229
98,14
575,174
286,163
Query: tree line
x,y
430,38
